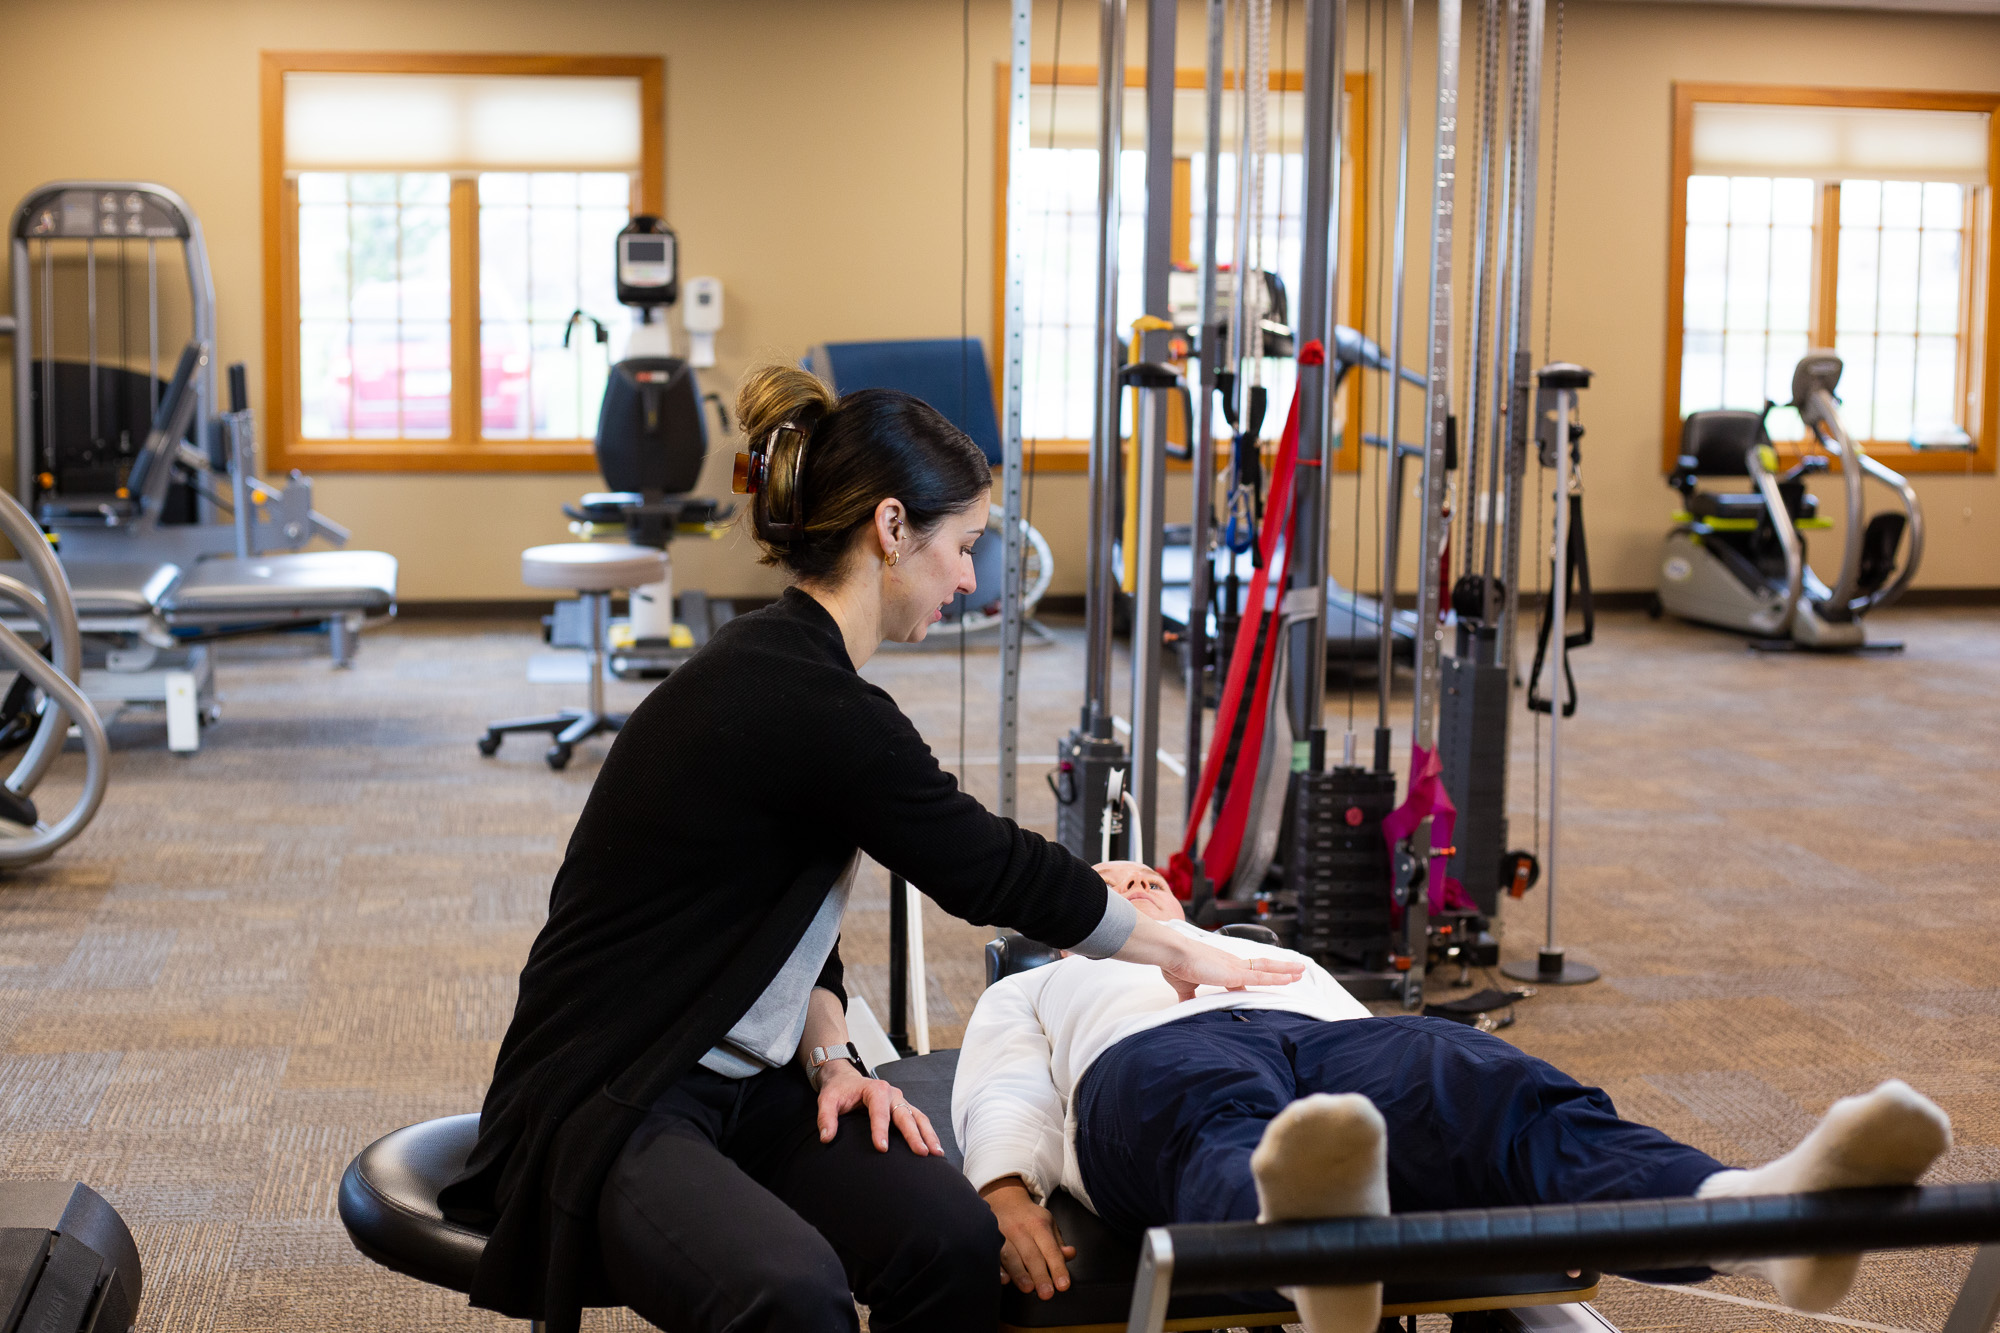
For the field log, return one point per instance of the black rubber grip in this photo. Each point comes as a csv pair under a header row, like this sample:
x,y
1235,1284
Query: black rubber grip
x,y
1627,1236
239,388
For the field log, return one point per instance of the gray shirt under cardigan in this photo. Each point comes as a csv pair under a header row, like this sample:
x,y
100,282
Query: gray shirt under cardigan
x,y
768,1036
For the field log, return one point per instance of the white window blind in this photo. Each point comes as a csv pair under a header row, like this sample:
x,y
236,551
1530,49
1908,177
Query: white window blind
x,y
1833,143
1074,111
460,122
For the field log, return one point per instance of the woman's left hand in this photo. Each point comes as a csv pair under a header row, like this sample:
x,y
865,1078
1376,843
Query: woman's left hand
x,y
844,1088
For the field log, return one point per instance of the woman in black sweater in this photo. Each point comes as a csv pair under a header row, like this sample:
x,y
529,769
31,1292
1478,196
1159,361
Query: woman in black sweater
x,y
677,1122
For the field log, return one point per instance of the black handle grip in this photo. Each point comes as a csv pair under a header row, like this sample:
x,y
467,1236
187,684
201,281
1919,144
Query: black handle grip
x,y
239,388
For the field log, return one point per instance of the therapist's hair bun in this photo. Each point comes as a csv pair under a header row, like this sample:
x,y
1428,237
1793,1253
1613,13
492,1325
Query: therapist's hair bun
x,y
856,451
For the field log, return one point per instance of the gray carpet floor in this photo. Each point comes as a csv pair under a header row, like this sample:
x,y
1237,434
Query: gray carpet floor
x,y
262,956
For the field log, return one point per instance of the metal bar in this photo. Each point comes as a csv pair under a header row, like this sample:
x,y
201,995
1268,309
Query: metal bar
x,y
1154,1284
1559,657
1147,657
1437,396
899,965
1978,1303
1606,1237
1520,309
598,604
1392,520
1499,471
152,328
1104,473
48,365
920,997
1149,429
24,351
1479,503
1246,208
1013,548
1319,269
1203,426
90,328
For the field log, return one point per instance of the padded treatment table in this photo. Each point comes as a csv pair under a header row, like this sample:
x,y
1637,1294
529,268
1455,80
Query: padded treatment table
x,y
1107,1259
301,586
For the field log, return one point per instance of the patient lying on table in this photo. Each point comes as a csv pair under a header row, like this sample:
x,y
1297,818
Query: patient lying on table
x,y
1294,1102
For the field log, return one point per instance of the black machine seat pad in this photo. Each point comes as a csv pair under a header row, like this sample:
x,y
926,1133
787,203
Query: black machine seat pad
x,y
1726,504
301,584
389,1202
1107,1260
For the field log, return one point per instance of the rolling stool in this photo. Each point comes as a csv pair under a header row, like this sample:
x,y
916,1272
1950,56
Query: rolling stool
x,y
389,1204
593,570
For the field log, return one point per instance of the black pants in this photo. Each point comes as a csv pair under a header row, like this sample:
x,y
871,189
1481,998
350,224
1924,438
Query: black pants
x,y
725,1211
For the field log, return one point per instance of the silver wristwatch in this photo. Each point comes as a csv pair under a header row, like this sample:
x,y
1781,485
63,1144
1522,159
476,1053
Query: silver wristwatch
x,y
820,1055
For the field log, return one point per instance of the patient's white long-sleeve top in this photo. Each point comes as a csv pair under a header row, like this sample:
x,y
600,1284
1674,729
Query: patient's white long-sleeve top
x,y
1034,1034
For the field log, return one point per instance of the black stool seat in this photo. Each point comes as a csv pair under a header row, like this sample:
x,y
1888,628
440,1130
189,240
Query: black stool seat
x,y
389,1202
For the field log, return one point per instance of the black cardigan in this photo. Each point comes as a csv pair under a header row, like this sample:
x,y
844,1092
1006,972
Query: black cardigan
x,y
725,811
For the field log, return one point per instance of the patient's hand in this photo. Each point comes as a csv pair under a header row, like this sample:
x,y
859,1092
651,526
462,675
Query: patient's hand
x,y
1032,1255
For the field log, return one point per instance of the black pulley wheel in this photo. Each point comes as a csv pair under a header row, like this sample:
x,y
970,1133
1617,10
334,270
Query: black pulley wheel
x,y
1519,872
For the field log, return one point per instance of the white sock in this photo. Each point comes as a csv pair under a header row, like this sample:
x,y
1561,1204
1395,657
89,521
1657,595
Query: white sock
x,y
1326,1156
1886,1137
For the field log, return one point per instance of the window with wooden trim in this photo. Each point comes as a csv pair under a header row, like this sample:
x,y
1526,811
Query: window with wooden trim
x,y
432,224
1860,221
1058,204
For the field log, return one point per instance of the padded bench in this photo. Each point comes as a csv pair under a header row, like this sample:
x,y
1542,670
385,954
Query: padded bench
x,y
120,590
302,586
388,1202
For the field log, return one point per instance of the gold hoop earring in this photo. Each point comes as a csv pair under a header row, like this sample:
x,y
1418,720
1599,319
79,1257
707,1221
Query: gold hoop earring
x,y
891,558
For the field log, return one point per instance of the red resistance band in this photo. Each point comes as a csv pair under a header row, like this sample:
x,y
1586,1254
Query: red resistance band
x,y
1256,637
1428,798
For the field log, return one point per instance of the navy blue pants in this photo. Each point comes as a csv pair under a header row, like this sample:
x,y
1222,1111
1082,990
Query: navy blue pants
x,y
1167,1118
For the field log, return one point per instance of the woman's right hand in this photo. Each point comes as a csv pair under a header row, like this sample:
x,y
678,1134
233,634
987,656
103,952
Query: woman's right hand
x,y
1188,964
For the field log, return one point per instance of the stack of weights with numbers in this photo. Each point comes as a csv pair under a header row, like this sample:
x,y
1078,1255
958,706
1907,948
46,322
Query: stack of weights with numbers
x,y
1338,867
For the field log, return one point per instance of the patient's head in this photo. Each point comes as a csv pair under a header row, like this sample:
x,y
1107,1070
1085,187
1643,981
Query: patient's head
x,y
1142,886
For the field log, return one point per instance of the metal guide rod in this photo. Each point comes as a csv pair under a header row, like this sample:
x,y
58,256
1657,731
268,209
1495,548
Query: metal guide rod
x,y
1104,472
1318,272
1240,345
1203,425
1149,428
1524,176
1558,664
1392,518
1479,503
1437,394
1013,558
1498,377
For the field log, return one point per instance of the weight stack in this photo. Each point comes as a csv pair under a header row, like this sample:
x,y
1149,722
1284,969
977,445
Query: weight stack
x,y
1083,767
1472,748
1338,867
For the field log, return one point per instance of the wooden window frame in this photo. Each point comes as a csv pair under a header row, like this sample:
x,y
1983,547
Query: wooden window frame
x,y
464,450
1980,347
1067,455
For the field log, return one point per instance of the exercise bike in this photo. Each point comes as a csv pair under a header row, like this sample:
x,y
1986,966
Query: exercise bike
x,y
1737,560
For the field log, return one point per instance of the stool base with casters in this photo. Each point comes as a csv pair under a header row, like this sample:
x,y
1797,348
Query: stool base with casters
x,y
592,570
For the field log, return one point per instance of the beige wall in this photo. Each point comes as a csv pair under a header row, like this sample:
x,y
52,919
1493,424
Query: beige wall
x,y
813,165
